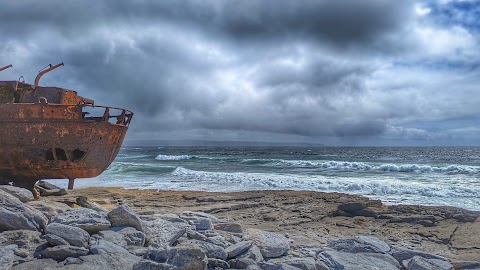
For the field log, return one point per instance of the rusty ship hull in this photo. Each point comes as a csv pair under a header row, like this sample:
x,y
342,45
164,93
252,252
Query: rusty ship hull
x,y
51,133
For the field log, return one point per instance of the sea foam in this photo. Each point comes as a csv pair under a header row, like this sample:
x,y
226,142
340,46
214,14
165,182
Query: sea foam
x,y
174,157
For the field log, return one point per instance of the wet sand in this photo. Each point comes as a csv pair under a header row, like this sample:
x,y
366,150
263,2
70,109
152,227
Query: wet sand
x,y
311,218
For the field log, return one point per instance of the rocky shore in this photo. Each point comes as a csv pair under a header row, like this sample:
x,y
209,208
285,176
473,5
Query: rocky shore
x,y
113,228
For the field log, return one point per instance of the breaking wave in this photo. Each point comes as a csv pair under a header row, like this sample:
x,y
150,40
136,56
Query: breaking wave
x,y
174,157
361,166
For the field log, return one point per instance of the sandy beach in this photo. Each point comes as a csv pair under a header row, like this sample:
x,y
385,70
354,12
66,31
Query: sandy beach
x,y
311,219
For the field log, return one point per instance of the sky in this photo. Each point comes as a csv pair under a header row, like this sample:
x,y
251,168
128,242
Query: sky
x,y
348,72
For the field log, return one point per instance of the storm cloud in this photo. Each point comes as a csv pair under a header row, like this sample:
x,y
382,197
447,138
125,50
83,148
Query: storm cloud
x,y
334,72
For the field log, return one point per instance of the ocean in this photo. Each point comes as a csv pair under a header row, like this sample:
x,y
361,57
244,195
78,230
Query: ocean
x,y
396,175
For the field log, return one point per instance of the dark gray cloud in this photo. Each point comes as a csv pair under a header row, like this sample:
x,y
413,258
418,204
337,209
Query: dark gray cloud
x,y
317,71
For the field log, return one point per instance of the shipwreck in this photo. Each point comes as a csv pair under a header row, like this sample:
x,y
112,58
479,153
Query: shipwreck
x,y
53,133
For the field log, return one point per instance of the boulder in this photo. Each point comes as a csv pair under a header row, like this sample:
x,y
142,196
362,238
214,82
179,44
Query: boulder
x,y
241,263
49,208
48,189
25,244
60,253
123,216
105,247
24,195
301,263
360,244
219,241
212,263
191,234
421,263
238,248
271,244
73,235
179,258
15,215
131,235
401,254
202,224
253,253
233,227
55,240
332,259
6,258
112,236
43,264
87,219
161,233
104,262
211,250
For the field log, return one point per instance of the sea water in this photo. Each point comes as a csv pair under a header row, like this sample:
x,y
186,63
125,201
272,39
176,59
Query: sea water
x,y
395,175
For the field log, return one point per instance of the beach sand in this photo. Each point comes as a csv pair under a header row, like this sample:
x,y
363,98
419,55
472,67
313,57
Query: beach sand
x,y
311,218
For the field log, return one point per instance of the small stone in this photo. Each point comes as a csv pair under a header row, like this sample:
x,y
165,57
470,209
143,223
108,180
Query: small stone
x,y
55,240
60,253
87,219
24,195
233,227
271,244
123,216
73,235
237,249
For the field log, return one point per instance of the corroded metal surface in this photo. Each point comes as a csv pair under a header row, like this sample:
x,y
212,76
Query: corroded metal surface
x,y
52,133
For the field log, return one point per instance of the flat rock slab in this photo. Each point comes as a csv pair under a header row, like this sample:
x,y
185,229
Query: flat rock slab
x,y
60,253
15,215
87,219
271,244
105,247
49,208
233,227
104,262
360,244
238,248
354,261
37,264
467,236
420,263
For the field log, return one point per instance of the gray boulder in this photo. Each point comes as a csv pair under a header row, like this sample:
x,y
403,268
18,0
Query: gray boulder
x,y
87,219
15,215
49,208
44,264
253,253
191,234
123,216
104,262
421,263
301,263
178,258
241,263
132,236
271,244
233,227
25,244
219,241
48,189
211,250
212,263
73,235
60,253
105,247
6,258
161,233
202,224
238,248
360,244
24,195
55,240
401,254
114,237
332,259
